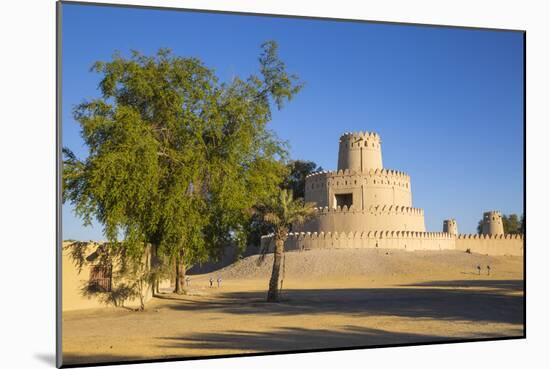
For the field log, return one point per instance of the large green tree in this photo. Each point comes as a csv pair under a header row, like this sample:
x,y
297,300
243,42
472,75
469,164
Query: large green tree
x,y
176,157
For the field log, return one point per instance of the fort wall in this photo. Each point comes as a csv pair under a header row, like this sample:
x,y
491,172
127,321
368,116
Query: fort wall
x,y
512,245
342,219
75,279
368,188
363,205
401,240
496,245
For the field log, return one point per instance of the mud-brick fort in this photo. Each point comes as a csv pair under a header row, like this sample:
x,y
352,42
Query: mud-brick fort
x,y
364,205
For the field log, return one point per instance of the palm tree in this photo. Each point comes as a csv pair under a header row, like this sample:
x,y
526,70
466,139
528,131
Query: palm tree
x,y
281,213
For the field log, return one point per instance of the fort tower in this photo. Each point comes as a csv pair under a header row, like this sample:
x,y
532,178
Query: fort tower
x,y
492,223
450,226
364,205
360,152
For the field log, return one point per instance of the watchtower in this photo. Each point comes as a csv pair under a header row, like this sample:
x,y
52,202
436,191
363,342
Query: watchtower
x,y
360,151
492,223
449,226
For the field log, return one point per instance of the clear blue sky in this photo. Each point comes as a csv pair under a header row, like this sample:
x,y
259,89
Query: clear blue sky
x,y
448,103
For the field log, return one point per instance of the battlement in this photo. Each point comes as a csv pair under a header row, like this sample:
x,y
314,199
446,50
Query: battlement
x,y
402,240
361,136
376,210
492,212
364,235
490,237
370,173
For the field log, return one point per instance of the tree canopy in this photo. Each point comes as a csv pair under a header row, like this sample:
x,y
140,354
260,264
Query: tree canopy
x,y
176,157
296,179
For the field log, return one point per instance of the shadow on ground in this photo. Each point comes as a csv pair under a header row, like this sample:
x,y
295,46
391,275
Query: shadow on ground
x,y
293,338
477,301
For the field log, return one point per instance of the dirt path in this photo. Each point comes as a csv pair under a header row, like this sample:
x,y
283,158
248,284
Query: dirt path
x,y
433,304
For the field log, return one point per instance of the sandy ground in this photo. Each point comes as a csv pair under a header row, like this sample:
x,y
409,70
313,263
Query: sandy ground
x,y
338,298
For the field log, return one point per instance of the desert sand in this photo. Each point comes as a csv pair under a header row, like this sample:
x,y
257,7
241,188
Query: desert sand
x,y
331,298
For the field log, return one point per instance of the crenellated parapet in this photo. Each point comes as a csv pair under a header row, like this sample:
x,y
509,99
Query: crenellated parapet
x,y
362,204
490,237
375,209
383,172
404,240
492,244
370,187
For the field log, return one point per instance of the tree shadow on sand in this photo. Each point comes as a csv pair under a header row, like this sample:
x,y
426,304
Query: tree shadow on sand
x,y
480,301
293,338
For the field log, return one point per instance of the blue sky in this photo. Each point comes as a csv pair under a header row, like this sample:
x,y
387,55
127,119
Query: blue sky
x,y
447,102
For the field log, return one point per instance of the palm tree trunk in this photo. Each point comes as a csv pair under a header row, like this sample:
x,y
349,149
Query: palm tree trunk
x,y
273,293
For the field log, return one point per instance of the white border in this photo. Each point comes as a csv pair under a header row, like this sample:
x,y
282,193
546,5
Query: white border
x,y
27,187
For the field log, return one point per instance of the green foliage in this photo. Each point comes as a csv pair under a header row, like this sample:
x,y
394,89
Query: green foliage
x,y
176,158
283,211
512,224
130,273
296,180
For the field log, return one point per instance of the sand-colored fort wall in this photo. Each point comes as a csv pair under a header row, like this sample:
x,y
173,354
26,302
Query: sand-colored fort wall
x,y
369,188
402,240
510,244
74,280
391,218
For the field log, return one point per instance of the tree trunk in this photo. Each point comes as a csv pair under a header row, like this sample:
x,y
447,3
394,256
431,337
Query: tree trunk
x,y
180,276
273,293
154,266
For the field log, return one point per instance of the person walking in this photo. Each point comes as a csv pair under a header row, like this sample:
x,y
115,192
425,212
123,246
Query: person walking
x,y
211,281
219,280
488,270
187,280
479,270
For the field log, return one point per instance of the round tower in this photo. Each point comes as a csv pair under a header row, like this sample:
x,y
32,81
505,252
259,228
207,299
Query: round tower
x,y
492,223
360,151
449,226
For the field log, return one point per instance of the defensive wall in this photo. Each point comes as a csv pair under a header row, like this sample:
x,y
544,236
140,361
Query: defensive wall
x,y
363,205
509,244
368,188
497,245
402,240
386,217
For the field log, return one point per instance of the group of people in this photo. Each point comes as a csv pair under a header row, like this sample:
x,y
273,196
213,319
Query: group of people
x,y
211,280
479,270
